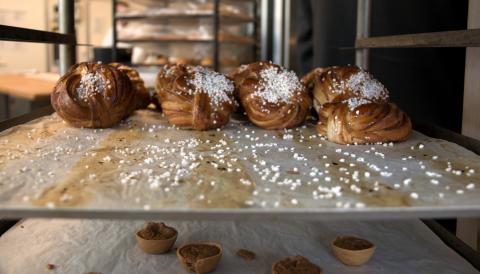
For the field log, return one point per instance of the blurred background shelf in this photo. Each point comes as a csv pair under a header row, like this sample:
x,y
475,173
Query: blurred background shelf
x,y
239,40
187,30
225,18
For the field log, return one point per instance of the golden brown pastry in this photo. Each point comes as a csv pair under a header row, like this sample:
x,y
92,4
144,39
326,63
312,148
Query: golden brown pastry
x,y
94,96
195,97
142,94
354,108
338,84
272,96
366,123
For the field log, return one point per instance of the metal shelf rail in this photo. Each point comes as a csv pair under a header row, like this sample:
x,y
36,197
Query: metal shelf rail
x,y
467,229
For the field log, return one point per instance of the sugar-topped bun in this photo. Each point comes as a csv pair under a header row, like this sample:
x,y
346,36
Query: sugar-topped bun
x,y
195,97
272,96
353,107
94,96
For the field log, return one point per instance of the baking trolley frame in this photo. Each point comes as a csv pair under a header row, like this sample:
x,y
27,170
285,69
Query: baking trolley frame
x,y
67,41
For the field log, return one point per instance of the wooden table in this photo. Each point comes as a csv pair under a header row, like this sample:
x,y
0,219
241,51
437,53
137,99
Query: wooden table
x,y
35,89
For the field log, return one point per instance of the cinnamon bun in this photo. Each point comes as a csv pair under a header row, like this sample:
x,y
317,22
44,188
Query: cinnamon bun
x,y
272,97
195,97
94,96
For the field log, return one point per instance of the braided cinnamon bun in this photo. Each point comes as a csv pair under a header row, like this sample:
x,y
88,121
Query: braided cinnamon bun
x,y
337,84
272,96
353,107
367,123
195,97
142,94
93,96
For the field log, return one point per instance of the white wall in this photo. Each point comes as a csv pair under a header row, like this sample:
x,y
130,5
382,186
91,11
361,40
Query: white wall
x,y
15,56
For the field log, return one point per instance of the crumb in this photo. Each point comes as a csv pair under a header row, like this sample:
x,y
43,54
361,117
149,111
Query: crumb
x,y
51,266
247,255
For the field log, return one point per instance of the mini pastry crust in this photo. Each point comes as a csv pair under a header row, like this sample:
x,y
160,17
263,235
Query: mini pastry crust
x,y
142,94
354,108
195,97
93,96
272,96
156,238
295,265
200,257
352,251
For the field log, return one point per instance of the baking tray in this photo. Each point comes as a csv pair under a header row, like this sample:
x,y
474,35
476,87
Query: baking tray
x,y
49,169
81,246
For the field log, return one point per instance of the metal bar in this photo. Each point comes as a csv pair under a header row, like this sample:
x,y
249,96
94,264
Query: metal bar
x,y
445,134
6,101
66,17
471,94
9,33
363,30
114,30
216,43
455,243
286,33
242,214
278,32
34,114
255,30
5,225
232,18
264,8
441,39
241,41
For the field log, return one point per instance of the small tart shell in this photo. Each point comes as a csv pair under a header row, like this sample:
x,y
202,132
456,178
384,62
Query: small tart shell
x,y
204,265
352,257
156,246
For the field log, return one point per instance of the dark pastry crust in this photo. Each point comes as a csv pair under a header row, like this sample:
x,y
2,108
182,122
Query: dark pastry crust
x,y
113,101
186,108
352,243
195,252
143,95
295,265
269,115
157,231
354,108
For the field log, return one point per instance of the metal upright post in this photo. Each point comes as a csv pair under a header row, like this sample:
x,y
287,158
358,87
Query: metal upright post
x,y
255,30
114,30
66,18
278,17
364,8
287,13
216,43
264,33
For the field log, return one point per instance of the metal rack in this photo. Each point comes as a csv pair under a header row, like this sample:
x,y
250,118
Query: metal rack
x,y
469,39
67,58
215,41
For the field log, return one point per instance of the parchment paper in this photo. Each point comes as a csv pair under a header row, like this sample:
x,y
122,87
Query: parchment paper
x,y
78,246
146,164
